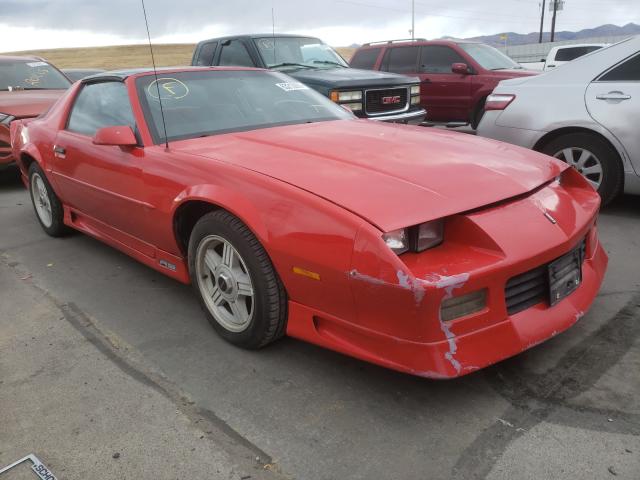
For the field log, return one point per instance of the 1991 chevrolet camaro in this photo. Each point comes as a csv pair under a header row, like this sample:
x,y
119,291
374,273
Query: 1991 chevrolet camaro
x,y
428,252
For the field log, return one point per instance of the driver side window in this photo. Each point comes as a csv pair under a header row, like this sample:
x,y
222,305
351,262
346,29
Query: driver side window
x,y
438,59
99,105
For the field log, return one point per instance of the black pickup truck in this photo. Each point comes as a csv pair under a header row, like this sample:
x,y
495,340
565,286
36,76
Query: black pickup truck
x,y
368,94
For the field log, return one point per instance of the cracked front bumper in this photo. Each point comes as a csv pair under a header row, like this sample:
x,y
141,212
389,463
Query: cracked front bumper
x,y
459,354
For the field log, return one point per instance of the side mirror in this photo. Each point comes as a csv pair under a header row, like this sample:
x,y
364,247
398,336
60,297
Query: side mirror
x,y
119,135
460,68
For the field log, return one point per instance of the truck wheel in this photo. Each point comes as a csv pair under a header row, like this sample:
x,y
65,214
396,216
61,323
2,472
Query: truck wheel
x,y
594,158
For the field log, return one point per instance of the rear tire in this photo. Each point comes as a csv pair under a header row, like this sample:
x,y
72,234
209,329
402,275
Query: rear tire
x,y
594,158
46,203
238,288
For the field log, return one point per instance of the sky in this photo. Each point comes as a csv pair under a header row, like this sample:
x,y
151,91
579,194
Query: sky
x,y
38,24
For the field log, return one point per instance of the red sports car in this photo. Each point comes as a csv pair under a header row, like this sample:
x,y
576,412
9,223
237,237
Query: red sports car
x,y
28,87
428,252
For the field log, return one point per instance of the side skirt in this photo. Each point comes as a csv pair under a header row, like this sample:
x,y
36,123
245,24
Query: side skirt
x,y
166,263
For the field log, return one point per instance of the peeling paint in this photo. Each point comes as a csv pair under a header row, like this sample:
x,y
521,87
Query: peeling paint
x,y
449,284
405,281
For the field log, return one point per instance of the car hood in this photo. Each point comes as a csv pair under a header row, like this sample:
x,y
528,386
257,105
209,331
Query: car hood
x,y
391,175
28,103
349,78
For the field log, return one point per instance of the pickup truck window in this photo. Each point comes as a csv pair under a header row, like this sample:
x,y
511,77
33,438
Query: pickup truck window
x,y
438,59
401,59
301,51
365,59
235,54
205,55
628,71
203,103
488,57
568,54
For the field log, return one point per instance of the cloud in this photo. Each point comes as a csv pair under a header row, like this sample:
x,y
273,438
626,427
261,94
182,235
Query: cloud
x,y
51,23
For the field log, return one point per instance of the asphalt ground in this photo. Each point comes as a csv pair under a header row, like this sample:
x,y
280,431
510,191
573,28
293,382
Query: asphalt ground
x,y
569,408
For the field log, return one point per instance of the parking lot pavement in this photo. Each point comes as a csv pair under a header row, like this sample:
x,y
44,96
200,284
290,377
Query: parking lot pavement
x,y
569,408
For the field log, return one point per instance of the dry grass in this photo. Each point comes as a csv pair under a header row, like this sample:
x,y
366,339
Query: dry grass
x,y
127,56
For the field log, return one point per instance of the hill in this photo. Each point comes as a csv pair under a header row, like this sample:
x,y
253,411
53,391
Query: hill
x,y
522,39
126,56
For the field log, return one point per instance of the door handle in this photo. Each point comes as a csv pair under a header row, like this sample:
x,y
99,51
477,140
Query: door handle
x,y
59,151
613,96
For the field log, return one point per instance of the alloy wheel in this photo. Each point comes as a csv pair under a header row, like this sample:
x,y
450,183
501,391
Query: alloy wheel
x,y
585,162
41,200
225,283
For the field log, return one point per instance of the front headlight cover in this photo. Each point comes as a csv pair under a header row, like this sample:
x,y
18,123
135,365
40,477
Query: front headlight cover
x,y
415,90
415,239
429,235
398,240
346,97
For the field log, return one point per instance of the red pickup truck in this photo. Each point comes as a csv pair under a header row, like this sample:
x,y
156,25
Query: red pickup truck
x,y
456,76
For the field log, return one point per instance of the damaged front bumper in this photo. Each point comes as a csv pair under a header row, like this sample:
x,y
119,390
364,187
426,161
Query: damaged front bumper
x,y
399,321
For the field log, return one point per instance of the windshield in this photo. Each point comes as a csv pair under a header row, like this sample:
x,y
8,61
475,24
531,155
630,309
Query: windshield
x,y
297,52
205,103
31,75
488,57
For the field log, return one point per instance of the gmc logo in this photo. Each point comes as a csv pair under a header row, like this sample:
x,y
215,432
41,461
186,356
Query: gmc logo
x,y
391,100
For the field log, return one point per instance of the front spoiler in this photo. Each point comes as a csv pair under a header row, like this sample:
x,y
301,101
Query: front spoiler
x,y
473,351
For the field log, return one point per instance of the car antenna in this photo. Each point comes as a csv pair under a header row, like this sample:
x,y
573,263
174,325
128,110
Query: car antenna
x,y
155,73
273,31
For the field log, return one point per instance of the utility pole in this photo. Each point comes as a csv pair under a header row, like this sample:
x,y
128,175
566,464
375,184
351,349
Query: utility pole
x,y
542,21
553,21
413,19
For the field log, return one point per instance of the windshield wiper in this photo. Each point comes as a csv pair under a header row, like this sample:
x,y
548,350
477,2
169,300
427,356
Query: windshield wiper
x,y
329,62
290,64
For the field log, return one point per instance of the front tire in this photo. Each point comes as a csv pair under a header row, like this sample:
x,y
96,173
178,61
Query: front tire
x,y
594,158
46,203
238,288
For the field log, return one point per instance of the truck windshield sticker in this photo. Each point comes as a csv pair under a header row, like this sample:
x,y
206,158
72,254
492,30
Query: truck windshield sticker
x,y
266,43
292,86
170,89
38,64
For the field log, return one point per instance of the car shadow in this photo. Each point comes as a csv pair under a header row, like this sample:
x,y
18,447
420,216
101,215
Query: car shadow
x,y
10,179
626,206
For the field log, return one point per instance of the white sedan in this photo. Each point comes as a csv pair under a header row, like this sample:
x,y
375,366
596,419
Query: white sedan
x,y
586,113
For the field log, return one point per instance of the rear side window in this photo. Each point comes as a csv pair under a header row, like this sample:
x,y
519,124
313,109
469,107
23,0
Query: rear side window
x,y
401,59
628,71
438,59
365,59
205,55
568,54
100,105
235,54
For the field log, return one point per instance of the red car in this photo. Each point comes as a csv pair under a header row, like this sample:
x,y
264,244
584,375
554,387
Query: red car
x,y
28,87
456,76
433,253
